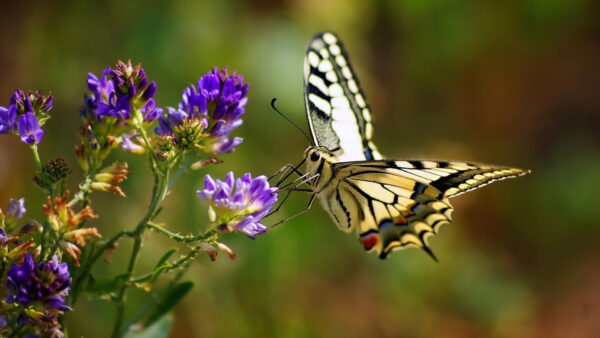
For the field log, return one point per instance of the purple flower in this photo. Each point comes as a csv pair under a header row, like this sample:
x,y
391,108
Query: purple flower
x,y
150,111
7,118
16,208
209,86
220,99
3,237
29,129
25,115
239,204
229,108
121,91
130,81
129,146
173,118
45,283
32,102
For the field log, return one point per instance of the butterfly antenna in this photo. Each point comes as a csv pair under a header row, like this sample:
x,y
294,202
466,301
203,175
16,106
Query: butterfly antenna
x,y
290,121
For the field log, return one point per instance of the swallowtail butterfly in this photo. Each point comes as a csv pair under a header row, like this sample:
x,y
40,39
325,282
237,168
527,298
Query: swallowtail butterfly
x,y
390,204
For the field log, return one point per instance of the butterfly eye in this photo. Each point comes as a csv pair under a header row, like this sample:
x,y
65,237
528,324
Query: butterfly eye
x,y
315,156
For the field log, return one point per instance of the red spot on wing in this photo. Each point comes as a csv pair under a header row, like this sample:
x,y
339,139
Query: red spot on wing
x,y
369,240
400,220
409,211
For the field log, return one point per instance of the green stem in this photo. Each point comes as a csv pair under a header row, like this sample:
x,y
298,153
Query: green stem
x,y
170,267
181,238
149,148
44,239
85,270
151,302
183,166
158,193
36,157
84,190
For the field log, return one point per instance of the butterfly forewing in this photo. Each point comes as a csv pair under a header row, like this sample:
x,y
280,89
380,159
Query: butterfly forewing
x,y
395,204
338,115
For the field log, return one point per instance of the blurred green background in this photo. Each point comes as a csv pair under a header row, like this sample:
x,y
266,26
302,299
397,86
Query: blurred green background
x,y
512,82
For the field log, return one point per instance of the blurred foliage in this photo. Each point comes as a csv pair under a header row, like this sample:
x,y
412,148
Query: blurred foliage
x,y
511,82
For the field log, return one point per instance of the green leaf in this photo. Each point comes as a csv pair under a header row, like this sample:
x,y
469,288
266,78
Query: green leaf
x,y
107,285
165,257
168,301
159,329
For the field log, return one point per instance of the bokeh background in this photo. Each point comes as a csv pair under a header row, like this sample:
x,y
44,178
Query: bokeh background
x,y
511,82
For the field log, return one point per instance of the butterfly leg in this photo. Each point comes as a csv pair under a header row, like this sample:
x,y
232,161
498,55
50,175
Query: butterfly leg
x,y
310,202
283,171
303,180
286,171
287,194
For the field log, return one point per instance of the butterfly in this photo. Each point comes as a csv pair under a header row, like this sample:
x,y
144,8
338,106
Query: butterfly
x,y
390,204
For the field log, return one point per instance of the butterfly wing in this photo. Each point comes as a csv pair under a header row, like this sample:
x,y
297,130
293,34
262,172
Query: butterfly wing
x,y
396,204
339,118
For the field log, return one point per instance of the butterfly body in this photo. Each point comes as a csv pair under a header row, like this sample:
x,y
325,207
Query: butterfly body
x,y
390,204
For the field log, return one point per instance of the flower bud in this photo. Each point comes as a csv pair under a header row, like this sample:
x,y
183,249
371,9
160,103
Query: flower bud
x,y
80,235
129,146
77,218
103,186
72,250
226,250
20,250
210,250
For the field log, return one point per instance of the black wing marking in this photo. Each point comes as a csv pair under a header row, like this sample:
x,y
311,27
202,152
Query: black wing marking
x,y
338,115
404,202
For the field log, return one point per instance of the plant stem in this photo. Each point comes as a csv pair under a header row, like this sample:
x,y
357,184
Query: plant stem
x,y
152,301
166,268
149,148
85,270
158,193
180,238
183,166
36,157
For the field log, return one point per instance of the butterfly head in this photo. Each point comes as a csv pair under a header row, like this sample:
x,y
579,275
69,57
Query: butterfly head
x,y
318,161
315,154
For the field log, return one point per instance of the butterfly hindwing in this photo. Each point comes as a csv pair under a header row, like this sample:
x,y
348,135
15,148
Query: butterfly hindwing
x,y
338,115
395,204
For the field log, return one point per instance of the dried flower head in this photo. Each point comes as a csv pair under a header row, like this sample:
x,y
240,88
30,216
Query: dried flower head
x,y
52,172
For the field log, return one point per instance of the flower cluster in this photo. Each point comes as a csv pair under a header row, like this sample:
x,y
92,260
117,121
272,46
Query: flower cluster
x,y
121,99
239,204
25,115
38,257
121,93
44,284
40,290
207,113
66,223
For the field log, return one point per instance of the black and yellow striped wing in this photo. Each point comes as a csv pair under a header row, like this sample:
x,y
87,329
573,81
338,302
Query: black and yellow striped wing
x,y
339,118
394,204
